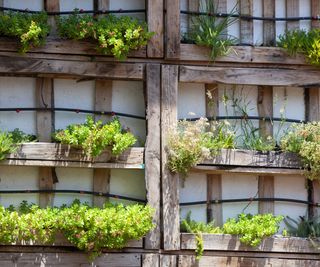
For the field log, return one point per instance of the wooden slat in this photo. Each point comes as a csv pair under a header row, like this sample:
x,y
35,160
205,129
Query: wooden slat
x,y
170,182
155,24
101,184
292,9
151,260
250,76
101,4
52,6
172,29
152,151
30,66
269,29
208,261
193,6
246,26
230,242
168,260
315,12
214,191
266,190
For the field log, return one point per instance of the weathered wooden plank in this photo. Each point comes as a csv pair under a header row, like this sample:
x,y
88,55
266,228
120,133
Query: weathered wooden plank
x,y
29,66
292,10
193,6
269,27
266,190
172,29
150,260
170,182
152,151
214,191
101,4
52,6
208,261
168,260
155,24
75,259
101,184
246,26
250,76
230,242
315,12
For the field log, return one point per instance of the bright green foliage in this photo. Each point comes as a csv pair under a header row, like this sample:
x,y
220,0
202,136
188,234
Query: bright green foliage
x,y
211,31
253,228
304,227
193,142
94,137
89,229
30,29
9,141
304,139
191,226
300,41
115,35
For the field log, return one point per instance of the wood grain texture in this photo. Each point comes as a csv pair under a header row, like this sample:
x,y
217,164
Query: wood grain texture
x,y
250,76
292,10
269,27
155,13
214,191
150,260
266,190
152,151
172,29
246,26
29,66
315,12
168,260
265,109
52,6
102,4
170,182
193,6
101,184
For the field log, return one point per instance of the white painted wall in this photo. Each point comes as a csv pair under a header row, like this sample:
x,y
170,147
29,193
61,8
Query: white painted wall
x,y
29,4
69,5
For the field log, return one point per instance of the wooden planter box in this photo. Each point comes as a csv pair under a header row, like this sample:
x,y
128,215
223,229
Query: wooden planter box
x,y
58,155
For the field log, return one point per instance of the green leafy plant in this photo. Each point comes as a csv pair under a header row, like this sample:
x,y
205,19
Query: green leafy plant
x,y
88,228
211,31
304,139
30,29
303,227
9,141
115,35
300,41
192,142
94,137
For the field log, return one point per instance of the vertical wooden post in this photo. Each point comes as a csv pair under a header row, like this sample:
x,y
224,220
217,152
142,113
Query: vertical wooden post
x,y
155,24
150,260
265,109
172,29
315,12
52,6
168,260
292,9
44,99
152,152
170,182
214,190
193,6
269,29
101,5
246,26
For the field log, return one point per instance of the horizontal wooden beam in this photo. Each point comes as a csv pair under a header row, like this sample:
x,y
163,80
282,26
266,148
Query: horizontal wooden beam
x,y
103,70
250,76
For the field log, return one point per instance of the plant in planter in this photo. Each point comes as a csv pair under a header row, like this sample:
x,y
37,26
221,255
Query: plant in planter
x,y
115,35
30,29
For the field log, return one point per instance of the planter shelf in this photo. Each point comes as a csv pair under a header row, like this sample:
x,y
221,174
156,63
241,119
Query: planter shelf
x,y
249,161
58,155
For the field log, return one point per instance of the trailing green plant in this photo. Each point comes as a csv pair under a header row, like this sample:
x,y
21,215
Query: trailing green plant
x,y
115,35
304,139
88,228
94,137
30,29
211,31
192,142
9,141
301,41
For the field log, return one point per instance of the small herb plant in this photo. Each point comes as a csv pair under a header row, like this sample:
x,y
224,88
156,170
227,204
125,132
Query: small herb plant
x,y
211,31
94,137
9,141
304,139
88,228
30,29
300,41
115,35
192,142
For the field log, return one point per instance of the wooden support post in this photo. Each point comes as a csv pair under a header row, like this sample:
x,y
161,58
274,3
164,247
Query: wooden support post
x,y
214,190
170,182
168,260
44,99
155,24
101,5
172,29
52,6
292,9
193,6
269,29
150,260
246,26
152,151
315,12
265,109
